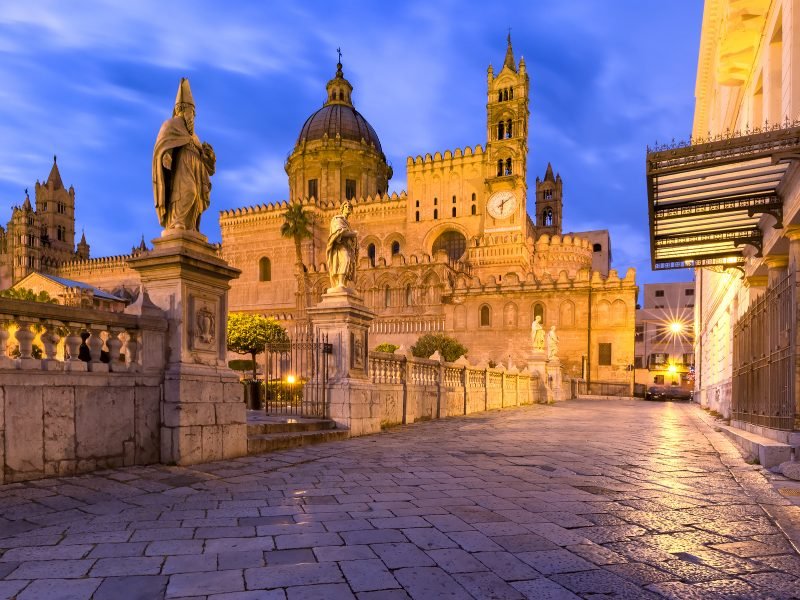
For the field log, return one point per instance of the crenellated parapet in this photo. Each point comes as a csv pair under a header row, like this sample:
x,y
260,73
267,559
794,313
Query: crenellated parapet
x,y
561,253
448,159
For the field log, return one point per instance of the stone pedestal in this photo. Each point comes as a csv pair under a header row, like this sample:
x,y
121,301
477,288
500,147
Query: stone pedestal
x,y
202,413
554,382
537,364
345,319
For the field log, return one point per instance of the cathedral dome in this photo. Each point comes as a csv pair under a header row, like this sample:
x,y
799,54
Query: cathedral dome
x,y
339,116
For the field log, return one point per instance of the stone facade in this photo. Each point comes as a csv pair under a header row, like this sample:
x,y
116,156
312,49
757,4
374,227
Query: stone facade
x,y
457,253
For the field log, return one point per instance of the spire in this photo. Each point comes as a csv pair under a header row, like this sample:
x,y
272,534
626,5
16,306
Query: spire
x,y
54,178
548,175
509,61
27,204
338,88
83,238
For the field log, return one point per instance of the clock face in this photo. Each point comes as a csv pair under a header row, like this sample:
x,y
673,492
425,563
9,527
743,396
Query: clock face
x,y
502,205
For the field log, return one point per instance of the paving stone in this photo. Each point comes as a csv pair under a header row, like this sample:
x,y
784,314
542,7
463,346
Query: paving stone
x,y
343,553
129,565
115,550
424,583
253,595
487,585
372,536
455,560
59,589
239,545
197,584
172,547
239,560
189,563
429,538
396,556
135,587
307,540
555,561
46,553
331,591
543,589
384,595
290,557
9,589
474,541
293,575
55,569
507,566
367,575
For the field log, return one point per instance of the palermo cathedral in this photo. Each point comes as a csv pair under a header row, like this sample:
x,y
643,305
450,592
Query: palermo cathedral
x,y
457,253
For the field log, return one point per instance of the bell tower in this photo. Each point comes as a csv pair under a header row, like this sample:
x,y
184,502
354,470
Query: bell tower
x,y
549,203
506,159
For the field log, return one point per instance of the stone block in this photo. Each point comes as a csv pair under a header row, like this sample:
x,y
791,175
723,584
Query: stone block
x,y
129,453
103,420
233,392
199,389
212,443
230,413
98,367
24,441
186,445
147,424
234,441
75,366
59,423
184,414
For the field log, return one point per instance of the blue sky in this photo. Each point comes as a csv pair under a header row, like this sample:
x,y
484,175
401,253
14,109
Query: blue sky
x,y
92,82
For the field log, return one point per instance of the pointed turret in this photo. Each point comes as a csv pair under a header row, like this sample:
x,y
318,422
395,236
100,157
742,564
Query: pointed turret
x,y
339,89
54,179
26,206
509,61
548,174
82,252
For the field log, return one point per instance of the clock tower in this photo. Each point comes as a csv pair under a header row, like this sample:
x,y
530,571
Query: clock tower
x,y
506,155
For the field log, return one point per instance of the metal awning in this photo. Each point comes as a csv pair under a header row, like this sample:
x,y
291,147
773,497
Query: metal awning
x,y
706,197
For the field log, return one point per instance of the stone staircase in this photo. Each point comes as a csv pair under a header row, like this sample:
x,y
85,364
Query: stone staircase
x,y
271,433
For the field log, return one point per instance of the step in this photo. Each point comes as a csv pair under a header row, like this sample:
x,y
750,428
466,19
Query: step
x,y
770,453
270,442
287,425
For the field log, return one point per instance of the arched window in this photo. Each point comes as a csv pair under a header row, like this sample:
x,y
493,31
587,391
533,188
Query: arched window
x,y
417,216
508,128
454,199
451,242
395,248
508,166
473,196
597,248
264,269
505,94
454,211
486,316
499,96
501,130
511,93
474,210
387,296
547,194
547,217
538,311
417,203
371,254
435,201
408,295
500,168
435,213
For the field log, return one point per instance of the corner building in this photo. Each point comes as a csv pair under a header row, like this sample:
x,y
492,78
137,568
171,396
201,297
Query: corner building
x,y
458,253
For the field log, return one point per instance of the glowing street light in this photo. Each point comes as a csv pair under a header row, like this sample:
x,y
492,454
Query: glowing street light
x,y
676,327
672,369
290,379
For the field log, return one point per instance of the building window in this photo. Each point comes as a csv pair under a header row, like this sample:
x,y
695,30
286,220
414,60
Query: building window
x,y
638,362
408,295
486,316
538,311
500,168
474,210
417,203
597,248
659,293
500,96
658,380
312,188
688,292
435,213
505,94
508,128
371,254
511,93
547,195
436,201
451,242
639,333
547,217
454,199
604,354
474,197
350,188
508,166
454,211
501,130
417,216
395,248
387,296
264,269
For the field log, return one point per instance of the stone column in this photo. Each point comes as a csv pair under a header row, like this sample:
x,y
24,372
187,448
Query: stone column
x,y
345,319
202,413
756,285
555,388
776,266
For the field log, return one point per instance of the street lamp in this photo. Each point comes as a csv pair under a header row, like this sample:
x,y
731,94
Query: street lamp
x,y
676,327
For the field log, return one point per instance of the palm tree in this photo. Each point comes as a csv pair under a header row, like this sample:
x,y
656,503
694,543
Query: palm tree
x,y
297,225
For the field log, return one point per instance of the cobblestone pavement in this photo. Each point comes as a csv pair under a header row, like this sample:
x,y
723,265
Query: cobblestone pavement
x,y
589,499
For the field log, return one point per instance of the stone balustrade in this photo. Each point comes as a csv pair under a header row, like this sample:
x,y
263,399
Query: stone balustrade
x,y
408,389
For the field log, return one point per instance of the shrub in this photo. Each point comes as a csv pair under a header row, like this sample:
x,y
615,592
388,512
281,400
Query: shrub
x,y
449,348
251,334
386,347
241,365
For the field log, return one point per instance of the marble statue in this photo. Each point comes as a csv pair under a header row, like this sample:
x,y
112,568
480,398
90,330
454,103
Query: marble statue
x,y
552,343
342,250
182,167
537,334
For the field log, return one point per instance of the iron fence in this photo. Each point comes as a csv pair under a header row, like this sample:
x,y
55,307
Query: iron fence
x,y
296,376
765,358
579,387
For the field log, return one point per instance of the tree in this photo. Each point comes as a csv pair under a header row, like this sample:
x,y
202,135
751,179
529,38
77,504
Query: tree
x,y
27,294
387,347
297,226
449,348
250,334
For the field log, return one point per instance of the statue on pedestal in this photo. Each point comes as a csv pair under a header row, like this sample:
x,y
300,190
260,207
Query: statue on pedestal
x,y
342,250
537,334
182,167
552,344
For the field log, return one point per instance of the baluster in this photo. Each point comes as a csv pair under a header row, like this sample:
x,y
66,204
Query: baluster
x,y
95,343
25,339
50,339
5,361
132,350
114,346
72,344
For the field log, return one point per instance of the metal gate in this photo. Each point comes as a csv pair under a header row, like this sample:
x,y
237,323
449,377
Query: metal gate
x,y
296,375
764,359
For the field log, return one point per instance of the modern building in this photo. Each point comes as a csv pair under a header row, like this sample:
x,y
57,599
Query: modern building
x,y
727,203
665,336
458,253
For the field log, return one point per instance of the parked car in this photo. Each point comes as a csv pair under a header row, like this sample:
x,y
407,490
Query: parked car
x,y
668,393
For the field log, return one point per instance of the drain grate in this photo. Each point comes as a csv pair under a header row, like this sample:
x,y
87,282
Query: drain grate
x,y
789,491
